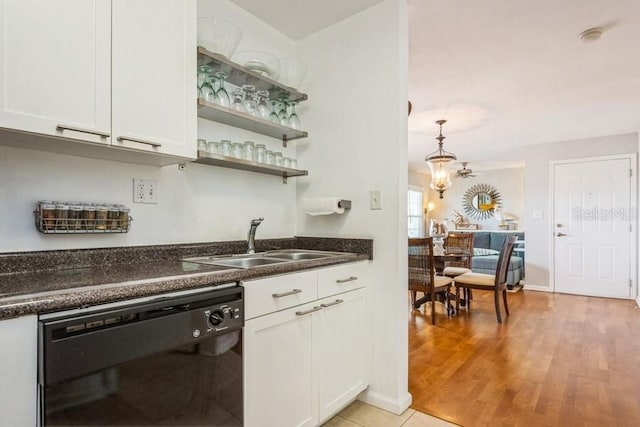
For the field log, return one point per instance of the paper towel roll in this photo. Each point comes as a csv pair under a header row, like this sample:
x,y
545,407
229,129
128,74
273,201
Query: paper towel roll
x,y
323,206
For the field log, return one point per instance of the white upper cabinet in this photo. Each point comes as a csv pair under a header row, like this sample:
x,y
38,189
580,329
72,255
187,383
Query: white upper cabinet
x,y
55,67
119,73
154,76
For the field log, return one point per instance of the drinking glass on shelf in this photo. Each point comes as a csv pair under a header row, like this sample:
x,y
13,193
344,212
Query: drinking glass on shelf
x,y
249,102
202,145
263,104
203,73
207,90
236,103
294,120
273,116
283,117
222,96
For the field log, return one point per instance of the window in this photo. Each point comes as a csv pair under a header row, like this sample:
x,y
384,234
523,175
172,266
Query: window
x,y
414,212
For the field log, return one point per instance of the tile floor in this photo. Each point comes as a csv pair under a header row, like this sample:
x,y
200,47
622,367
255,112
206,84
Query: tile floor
x,y
359,414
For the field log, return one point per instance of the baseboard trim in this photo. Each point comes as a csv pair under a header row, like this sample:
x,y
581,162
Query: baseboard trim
x,y
528,287
384,402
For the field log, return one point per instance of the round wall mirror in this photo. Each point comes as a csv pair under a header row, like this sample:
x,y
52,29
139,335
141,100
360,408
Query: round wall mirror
x,y
480,201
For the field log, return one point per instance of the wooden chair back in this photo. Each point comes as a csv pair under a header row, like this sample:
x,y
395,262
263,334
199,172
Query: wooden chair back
x,y
502,268
459,243
421,265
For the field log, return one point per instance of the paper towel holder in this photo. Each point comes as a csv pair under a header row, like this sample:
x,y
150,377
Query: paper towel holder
x,y
346,204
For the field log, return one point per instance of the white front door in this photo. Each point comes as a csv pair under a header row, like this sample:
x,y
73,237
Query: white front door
x,y
592,227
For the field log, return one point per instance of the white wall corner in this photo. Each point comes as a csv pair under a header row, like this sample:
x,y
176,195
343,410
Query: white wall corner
x,y
396,406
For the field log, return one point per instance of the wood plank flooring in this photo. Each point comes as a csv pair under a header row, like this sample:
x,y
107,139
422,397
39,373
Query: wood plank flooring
x,y
558,360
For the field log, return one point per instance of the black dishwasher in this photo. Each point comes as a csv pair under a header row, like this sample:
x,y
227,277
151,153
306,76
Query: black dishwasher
x,y
168,361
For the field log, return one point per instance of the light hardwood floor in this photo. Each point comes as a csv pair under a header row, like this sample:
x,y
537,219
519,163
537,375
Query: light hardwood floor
x,y
558,360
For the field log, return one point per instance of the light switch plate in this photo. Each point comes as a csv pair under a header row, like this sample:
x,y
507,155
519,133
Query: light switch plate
x,y
145,190
375,200
538,214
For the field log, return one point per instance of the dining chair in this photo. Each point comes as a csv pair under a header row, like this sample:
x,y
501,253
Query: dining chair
x,y
459,243
422,275
497,283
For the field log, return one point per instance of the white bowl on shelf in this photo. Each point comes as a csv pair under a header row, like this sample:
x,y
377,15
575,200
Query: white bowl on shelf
x,y
260,62
292,72
218,35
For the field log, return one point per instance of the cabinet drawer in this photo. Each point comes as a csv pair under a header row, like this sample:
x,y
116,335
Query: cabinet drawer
x,y
264,296
334,280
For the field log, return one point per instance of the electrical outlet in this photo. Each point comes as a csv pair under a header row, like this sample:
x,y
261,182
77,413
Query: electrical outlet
x,y
145,191
375,200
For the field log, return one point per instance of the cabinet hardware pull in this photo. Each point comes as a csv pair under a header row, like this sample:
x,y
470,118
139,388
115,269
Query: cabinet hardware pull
x,y
302,313
336,302
141,141
77,129
350,279
286,294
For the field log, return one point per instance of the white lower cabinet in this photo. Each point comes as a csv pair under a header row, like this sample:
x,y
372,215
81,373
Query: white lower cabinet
x,y
304,363
18,371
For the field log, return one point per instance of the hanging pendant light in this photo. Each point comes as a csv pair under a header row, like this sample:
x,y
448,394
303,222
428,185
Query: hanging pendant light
x,y
441,165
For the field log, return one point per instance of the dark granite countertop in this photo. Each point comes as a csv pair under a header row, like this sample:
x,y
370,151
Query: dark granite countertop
x,y
151,271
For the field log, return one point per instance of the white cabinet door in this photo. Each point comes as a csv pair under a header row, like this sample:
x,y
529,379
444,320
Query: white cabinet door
x,y
154,76
340,333
18,369
55,67
279,377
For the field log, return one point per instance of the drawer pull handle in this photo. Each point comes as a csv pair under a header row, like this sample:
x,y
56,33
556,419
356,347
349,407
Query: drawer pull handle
x,y
77,129
302,313
336,302
350,279
286,294
141,141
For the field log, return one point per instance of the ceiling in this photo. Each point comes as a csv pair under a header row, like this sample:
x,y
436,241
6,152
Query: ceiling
x,y
504,73
297,19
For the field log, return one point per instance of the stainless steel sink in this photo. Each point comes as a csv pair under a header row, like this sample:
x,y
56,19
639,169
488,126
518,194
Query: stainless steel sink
x,y
260,259
299,255
237,261
248,262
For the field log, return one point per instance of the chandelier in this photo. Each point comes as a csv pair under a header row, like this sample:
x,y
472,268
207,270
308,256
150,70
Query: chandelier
x,y
440,163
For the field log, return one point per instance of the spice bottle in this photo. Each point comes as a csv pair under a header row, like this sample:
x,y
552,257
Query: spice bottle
x,y
62,215
123,218
102,212
75,215
112,217
48,216
88,217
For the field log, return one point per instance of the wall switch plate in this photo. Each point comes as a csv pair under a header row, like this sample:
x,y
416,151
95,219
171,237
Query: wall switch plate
x,y
145,191
538,214
375,200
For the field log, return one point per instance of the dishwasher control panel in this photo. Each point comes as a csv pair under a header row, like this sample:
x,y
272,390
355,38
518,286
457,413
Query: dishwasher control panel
x,y
220,317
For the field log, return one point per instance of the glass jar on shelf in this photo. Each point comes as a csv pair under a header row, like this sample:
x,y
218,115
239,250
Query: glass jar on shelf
x,y
224,147
88,218
277,158
62,216
48,216
268,157
102,213
249,151
237,150
260,153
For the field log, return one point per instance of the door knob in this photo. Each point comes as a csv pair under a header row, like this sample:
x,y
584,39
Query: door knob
x,y
560,234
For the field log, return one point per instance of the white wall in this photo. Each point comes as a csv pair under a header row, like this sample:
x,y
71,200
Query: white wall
x,y
537,196
508,182
357,121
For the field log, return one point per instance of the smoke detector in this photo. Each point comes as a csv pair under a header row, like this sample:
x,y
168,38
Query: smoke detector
x,y
591,35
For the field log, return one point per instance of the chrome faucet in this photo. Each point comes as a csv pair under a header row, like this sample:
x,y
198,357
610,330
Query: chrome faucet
x,y
251,237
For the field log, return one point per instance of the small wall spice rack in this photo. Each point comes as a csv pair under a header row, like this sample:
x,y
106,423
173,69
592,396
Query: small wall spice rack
x,y
81,219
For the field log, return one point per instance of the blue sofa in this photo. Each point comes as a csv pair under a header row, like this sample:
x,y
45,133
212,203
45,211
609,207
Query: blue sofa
x,y
487,246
